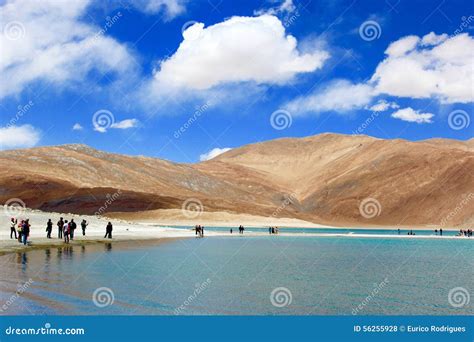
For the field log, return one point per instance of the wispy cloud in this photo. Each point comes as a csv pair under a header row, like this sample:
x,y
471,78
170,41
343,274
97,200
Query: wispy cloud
x,y
213,153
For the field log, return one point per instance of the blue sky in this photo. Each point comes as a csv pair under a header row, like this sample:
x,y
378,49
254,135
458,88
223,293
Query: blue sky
x,y
177,79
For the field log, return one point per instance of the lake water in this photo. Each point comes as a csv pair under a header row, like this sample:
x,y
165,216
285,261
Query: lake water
x,y
394,231
303,275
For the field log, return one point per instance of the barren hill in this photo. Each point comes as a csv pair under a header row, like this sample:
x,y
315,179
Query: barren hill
x,y
322,179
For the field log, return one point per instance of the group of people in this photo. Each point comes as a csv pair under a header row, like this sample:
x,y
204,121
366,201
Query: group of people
x,y
23,229
199,230
273,230
241,229
65,229
465,232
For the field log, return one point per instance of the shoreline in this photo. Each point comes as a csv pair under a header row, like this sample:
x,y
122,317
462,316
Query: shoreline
x,y
130,231
44,243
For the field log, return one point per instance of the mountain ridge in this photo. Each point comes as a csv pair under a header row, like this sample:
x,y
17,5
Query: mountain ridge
x,y
321,179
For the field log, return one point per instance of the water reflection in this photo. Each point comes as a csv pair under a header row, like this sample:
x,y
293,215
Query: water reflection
x,y
108,247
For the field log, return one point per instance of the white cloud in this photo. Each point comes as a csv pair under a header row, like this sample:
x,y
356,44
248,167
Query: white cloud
x,y
12,137
285,7
437,67
171,8
77,127
240,49
340,96
411,115
213,153
125,124
47,41
433,39
382,106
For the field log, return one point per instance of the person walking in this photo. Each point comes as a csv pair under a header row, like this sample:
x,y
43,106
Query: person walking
x,y
49,228
108,231
26,231
72,228
60,225
202,231
13,224
84,225
66,231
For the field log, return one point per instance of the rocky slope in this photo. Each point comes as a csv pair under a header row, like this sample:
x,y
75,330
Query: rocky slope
x,y
329,179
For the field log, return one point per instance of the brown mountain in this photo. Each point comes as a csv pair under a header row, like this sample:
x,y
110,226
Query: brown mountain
x,y
322,179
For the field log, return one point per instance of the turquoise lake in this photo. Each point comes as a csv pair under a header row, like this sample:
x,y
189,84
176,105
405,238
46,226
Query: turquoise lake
x,y
264,275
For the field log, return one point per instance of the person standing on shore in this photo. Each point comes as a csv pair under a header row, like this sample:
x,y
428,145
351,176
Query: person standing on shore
x,y
108,231
60,225
84,224
49,228
20,231
12,228
66,231
202,231
26,231
441,231
72,228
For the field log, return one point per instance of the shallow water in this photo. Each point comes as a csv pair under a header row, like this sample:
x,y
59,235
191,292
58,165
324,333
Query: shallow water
x,y
351,231
236,276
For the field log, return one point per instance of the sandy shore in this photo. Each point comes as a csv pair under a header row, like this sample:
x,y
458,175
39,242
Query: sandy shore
x,y
147,230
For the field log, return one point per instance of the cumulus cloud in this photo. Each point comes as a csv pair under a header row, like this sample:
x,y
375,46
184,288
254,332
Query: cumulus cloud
x,y
411,115
77,127
47,41
12,137
382,106
213,153
433,66
240,49
340,95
